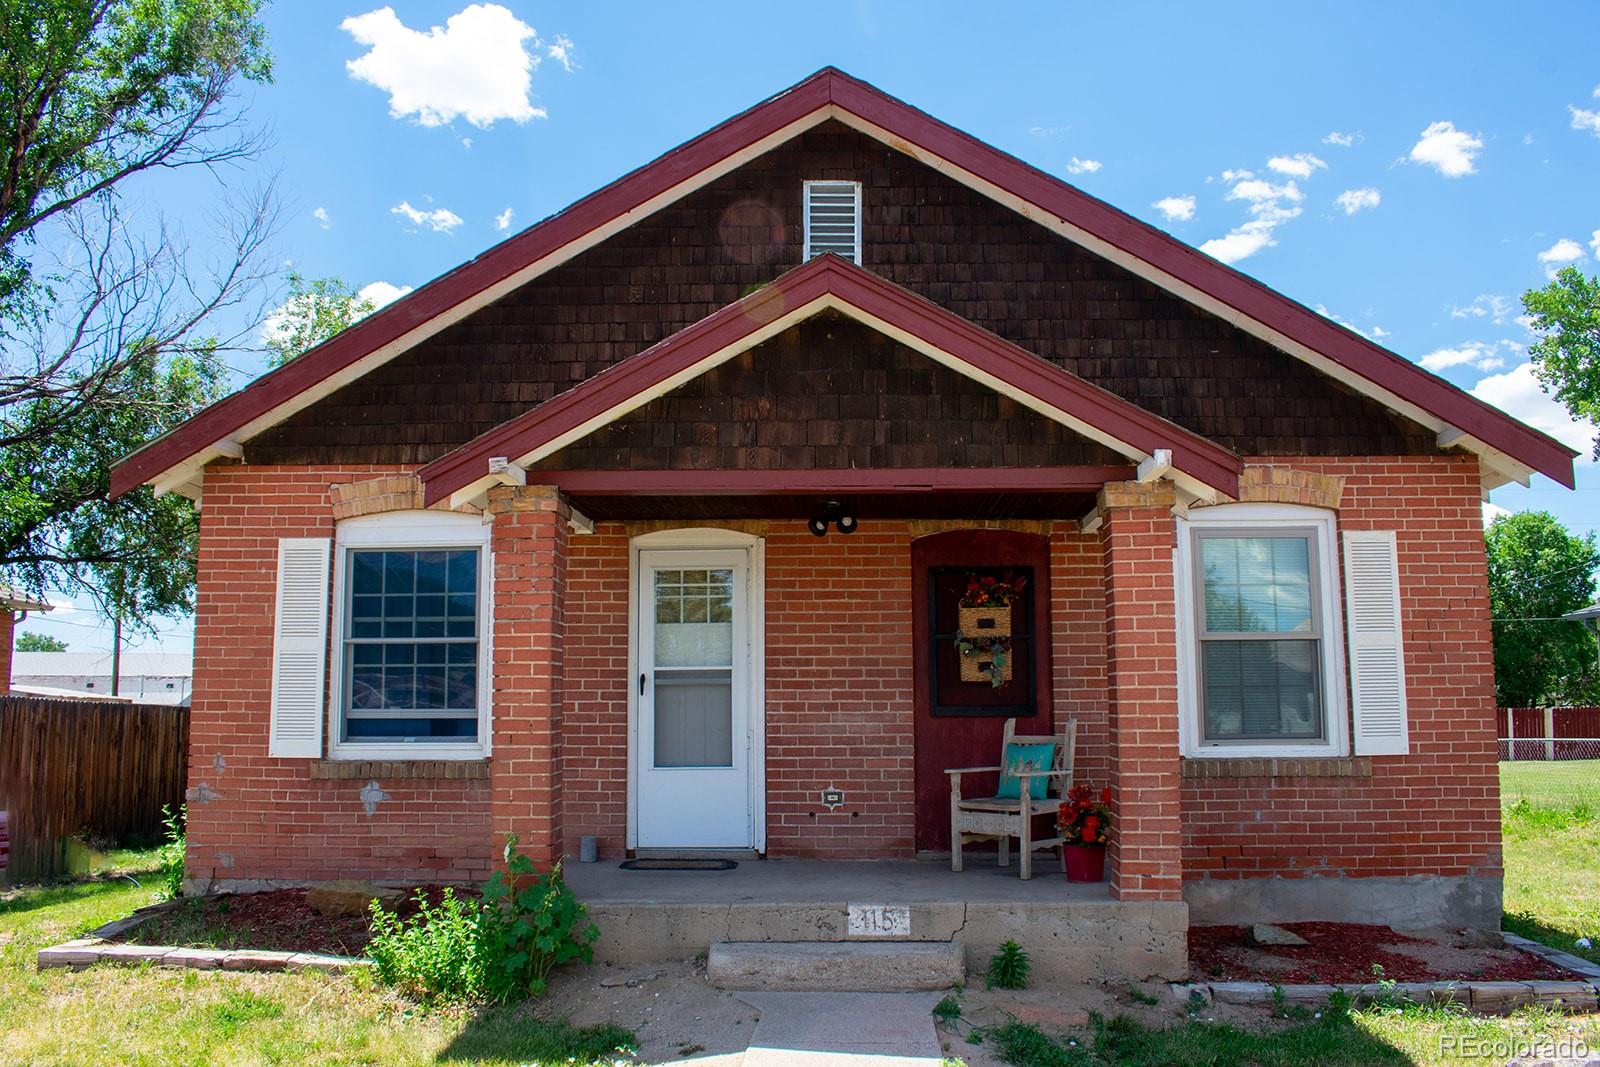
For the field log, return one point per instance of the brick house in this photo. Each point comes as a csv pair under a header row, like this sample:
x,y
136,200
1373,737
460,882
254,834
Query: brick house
x,y
532,549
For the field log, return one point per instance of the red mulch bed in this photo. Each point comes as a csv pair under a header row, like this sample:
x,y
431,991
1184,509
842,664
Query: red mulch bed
x,y
1346,952
278,920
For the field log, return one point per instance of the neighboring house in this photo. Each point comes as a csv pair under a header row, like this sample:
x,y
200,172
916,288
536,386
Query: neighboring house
x,y
145,677
14,607
528,550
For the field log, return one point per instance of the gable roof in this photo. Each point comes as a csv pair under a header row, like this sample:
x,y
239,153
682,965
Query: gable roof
x,y
1509,449
828,282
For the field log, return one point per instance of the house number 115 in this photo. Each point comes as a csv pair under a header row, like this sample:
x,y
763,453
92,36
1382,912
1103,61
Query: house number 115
x,y
879,920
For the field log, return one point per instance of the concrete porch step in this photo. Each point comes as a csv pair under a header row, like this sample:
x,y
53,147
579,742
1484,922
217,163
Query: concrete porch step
x,y
835,966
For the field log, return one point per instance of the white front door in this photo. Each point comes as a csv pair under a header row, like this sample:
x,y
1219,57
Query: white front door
x,y
695,742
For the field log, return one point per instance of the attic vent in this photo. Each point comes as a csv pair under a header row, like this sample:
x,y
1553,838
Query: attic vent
x,y
833,219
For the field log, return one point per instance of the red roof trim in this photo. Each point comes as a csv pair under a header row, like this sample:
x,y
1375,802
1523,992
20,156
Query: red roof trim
x,y
867,292
829,86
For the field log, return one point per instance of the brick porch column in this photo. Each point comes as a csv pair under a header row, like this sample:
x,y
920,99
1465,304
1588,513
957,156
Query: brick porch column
x,y
530,564
1138,536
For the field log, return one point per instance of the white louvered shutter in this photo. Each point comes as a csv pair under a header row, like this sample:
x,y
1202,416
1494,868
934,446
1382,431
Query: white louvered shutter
x,y
833,219
299,651
1377,658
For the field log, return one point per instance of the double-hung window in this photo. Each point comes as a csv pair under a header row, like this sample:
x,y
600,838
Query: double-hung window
x,y
411,674
1262,665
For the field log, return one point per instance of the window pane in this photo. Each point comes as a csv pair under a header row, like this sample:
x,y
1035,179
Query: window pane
x,y
694,618
694,719
363,729
1261,689
428,686
1256,584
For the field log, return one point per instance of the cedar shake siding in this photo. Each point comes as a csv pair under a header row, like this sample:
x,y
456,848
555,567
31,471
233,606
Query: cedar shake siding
x,y
920,230
830,393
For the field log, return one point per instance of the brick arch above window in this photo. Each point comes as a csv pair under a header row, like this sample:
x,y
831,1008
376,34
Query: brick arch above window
x,y
1288,485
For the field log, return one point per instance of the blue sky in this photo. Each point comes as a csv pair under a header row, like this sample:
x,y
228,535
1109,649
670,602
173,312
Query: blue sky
x,y
1401,167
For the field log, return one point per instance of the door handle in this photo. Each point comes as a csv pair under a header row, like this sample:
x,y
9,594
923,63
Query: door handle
x,y
641,683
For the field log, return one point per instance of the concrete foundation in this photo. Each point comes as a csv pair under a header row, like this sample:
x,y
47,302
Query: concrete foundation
x,y
1417,902
1074,933
835,966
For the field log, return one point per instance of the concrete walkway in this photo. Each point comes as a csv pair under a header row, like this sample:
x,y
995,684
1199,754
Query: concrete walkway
x,y
843,1030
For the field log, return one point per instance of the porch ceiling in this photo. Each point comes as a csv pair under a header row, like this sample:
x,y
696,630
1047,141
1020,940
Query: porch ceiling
x,y
906,493
957,505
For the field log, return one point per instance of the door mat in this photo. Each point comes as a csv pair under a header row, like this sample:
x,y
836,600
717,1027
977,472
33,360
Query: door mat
x,y
678,865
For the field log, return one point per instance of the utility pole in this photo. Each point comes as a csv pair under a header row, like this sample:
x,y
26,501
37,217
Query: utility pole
x,y
116,653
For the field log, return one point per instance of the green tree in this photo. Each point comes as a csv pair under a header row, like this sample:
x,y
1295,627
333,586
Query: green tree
x,y
1538,571
105,335
1566,358
37,642
316,309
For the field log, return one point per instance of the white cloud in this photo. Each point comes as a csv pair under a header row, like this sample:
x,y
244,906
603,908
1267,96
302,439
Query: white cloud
x,y
560,50
1583,119
1560,254
1176,208
321,215
502,221
1449,151
1260,191
478,66
1492,512
1594,244
381,293
1342,140
1046,131
1354,200
1241,242
1484,306
1481,355
1299,165
1517,393
1083,166
1270,205
439,220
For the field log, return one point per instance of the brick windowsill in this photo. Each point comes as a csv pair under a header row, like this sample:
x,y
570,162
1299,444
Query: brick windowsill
x,y
1296,767
456,770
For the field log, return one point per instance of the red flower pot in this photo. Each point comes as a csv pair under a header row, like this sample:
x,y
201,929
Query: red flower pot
x,y
1084,863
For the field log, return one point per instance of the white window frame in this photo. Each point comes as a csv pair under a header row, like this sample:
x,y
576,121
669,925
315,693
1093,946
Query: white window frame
x,y
422,530
1262,519
805,214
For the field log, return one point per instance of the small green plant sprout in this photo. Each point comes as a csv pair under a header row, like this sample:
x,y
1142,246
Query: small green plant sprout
x,y
532,924
170,855
1009,968
948,1010
1197,1002
1142,997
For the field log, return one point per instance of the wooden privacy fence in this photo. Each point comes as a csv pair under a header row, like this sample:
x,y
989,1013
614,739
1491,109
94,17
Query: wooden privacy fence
x,y
70,766
1549,733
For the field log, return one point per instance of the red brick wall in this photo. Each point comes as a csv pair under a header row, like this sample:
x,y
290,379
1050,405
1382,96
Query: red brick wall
x,y
836,715
268,819
1436,810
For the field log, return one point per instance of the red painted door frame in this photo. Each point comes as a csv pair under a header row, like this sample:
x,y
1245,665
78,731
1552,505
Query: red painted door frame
x,y
969,741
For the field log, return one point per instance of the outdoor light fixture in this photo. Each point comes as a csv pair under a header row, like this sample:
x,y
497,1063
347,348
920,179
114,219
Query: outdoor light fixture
x,y
833,514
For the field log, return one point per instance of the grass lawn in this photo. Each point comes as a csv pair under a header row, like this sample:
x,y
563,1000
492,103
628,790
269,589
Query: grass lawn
x,y
1552,846
1565,784
155,1016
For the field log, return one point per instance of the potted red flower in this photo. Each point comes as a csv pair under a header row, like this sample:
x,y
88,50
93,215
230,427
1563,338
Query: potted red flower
x,y
1084,823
